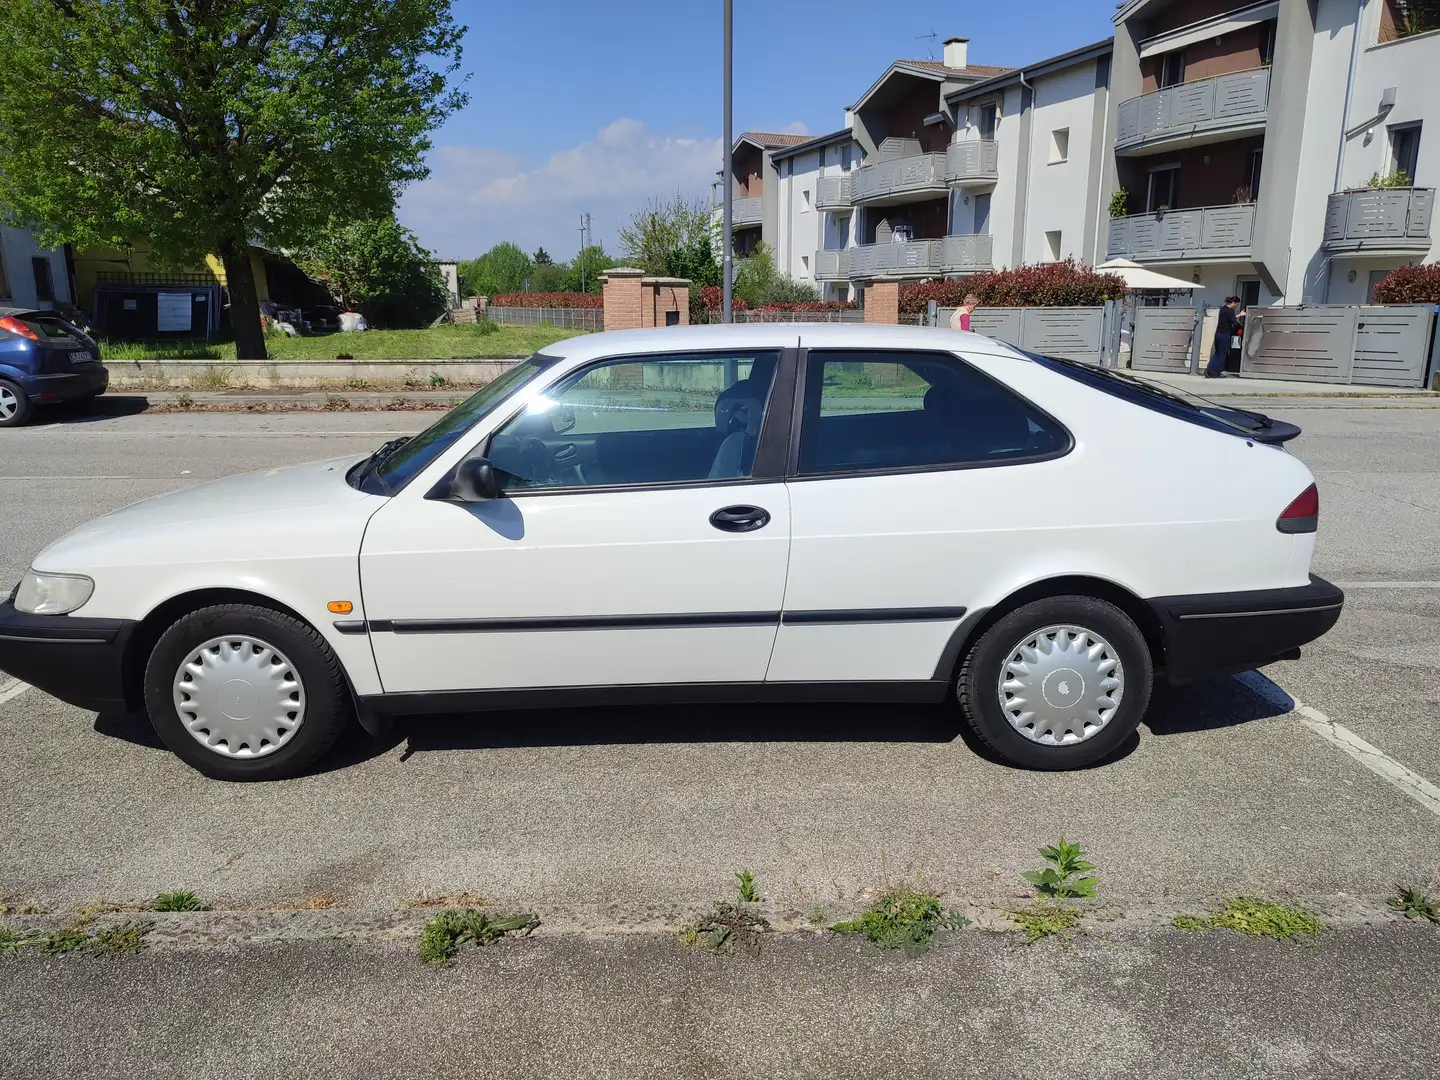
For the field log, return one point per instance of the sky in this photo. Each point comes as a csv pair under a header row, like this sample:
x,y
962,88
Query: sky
x,y
596,106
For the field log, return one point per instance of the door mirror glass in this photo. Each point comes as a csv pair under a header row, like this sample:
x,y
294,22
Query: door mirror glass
x,y
475,481
562,419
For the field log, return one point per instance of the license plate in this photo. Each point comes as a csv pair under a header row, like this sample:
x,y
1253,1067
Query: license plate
x,y
84,356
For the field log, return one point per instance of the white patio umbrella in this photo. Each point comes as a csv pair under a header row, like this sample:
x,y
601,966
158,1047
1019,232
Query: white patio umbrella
x,y
1142,277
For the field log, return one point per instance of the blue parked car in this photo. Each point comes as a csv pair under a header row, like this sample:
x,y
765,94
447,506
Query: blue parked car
x,y
45,360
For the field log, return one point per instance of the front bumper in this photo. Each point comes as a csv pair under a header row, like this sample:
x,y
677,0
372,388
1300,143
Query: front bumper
x,y
1221,633
81,661
66,385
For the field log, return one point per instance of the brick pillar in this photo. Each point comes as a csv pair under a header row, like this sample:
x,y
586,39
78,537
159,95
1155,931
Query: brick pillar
x,y
882,302
664,295
624,298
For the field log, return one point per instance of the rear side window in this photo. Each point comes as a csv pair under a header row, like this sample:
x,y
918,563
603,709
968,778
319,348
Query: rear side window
x,y
872,410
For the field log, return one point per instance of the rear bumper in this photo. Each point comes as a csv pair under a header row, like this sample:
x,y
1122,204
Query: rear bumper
x,y
66,385
81,661
1221,633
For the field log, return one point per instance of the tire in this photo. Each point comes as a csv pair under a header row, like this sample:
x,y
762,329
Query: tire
x,y
1059,734
15,407
299,670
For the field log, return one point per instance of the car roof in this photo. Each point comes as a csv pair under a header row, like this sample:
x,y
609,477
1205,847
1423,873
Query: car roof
x,y
671,339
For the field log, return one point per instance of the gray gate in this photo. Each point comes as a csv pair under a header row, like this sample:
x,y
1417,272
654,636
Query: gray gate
x,y
1378,346
1163,338
1072,333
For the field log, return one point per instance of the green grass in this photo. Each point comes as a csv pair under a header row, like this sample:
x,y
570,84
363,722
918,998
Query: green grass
x,y
1044,920
438,343
903,919
128,937
1254,917
442,935
179,900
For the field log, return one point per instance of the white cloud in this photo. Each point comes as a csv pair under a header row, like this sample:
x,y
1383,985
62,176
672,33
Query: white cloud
x,y
477,196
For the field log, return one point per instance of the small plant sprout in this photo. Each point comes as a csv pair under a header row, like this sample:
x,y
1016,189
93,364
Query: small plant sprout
x,y
728,926
443,934
179,900
1059,880
745,882
1412,902
904,919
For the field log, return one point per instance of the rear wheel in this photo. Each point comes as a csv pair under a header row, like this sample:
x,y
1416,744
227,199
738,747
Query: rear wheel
x,y
14,405
1057,684
245,693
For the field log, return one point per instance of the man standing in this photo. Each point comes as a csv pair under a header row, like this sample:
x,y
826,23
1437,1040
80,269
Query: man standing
x,y
1224,335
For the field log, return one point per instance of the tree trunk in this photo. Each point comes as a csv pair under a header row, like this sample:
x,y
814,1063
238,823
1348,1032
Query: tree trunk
x,y
244,304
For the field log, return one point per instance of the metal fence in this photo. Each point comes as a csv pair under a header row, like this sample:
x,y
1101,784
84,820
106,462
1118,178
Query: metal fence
x,y
1163,338
1086,334
1376,346
844,315
564,318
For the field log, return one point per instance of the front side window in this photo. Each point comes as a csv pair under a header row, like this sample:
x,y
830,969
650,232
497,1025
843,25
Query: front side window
x,y
655,420
879,410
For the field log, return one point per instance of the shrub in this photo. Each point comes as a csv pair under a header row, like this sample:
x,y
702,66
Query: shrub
x,y
1119,203
1397,179
812,305
1058,284
548,299
713,297
1410,285
378,268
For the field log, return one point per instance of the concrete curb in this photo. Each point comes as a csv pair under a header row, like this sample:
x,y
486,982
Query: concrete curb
x,y
211,375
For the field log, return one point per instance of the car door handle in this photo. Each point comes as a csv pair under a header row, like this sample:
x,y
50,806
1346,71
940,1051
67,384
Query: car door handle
x,y
740,518
566,452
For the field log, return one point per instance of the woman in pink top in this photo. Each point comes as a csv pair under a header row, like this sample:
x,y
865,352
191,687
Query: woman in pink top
x,y
960,320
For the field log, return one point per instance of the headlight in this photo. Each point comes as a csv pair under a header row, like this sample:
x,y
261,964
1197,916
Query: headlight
x,y
52,594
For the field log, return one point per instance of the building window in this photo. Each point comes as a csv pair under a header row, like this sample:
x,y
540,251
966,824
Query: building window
x,y
1164,183
806,194
1172,68
1405,151
1376,277
1406,18
1257,159
44,279
1052,246
1059,145
982,214
989,117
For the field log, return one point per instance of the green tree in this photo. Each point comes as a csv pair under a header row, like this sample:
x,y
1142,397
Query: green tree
x,y
502,269
208,127
377,268
663,237
593,262
542,258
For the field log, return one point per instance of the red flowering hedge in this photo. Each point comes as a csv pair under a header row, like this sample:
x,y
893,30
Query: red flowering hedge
x,y
713,297
548,299
1058,284
1410,285
813,305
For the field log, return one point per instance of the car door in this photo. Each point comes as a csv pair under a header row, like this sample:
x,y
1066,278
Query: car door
x,y
641,537
913,484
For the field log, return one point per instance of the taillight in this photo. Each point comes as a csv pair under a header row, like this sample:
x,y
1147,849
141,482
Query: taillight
x,y
1302,515
15,326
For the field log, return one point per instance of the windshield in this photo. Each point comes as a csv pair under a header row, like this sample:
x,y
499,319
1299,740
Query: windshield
x,y
394,465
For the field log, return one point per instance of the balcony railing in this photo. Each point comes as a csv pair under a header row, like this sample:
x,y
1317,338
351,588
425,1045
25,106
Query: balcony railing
x,y
974,162
832,193
1209,232
915,258
1391,219
899,180
1237,101
744,212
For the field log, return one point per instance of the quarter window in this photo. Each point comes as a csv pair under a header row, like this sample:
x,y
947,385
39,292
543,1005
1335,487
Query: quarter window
x,y
879,410
657,420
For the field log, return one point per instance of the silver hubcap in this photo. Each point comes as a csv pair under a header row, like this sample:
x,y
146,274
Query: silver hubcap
x,y
240,697
1061,685
9,403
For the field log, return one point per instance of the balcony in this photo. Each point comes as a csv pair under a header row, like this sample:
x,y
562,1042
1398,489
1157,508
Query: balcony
x,y
1379,221
966,254
900,180
832,193
974,162
1209,232
1194,113
745,212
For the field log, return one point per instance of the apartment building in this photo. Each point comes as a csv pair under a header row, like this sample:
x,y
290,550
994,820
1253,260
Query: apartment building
x,y
31,276
1247,137
756,192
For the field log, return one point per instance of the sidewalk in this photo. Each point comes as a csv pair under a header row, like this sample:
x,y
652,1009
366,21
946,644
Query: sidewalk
x,y
1231,386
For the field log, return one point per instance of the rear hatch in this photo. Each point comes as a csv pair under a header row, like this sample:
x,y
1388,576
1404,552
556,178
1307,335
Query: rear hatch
x,y
62,347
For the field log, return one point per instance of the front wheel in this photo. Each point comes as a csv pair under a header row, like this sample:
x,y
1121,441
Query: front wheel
x,y
1057,684
14,405
245,693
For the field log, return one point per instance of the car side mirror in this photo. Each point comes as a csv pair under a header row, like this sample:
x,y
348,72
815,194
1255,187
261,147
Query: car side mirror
x,y
475,481
562,419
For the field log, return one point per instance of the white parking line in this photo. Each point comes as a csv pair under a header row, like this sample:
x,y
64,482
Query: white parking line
x,y
1342,738
12,691
1388,584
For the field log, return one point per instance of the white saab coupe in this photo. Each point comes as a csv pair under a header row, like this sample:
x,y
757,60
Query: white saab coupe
x,y
736,514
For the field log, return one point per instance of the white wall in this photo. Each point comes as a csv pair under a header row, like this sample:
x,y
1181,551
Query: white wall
x,y
1065,99
17,248
1003,195
802,229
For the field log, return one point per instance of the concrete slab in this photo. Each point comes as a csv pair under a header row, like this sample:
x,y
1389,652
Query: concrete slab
x,y
1245,387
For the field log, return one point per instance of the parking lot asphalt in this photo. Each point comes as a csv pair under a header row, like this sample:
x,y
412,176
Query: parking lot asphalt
x,y
608,817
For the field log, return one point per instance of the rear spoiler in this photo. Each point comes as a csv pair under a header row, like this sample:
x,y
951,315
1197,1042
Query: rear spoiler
x,y
1262,428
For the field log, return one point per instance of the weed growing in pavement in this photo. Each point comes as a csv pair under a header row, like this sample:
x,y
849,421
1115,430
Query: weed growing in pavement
x,y
1058,881
179,900
728,926
904,919
436,380
1257,918
749,891
412,379
1044,920
12,940
442,935
215,378
397,402
336,402
126,938
817,915
183,400
1412,902
357,383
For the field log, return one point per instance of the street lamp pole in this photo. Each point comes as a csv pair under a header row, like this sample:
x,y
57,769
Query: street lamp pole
x,y
728,263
